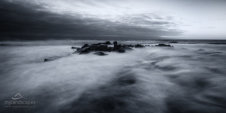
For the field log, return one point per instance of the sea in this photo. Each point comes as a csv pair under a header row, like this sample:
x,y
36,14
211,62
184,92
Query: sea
x,y
189,77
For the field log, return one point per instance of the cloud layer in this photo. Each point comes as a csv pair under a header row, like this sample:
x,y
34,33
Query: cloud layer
x,y
34,20
112,19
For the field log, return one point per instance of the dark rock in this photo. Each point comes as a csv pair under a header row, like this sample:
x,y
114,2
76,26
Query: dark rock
x,y
121,50
147,45
173,42
52,58
100,53
84,50
106,47
74,47
108,42
164,45
115,44
101,47
85,45
46,60
130,45
139,46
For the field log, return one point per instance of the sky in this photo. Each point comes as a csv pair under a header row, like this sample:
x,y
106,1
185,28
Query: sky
x,y
112,19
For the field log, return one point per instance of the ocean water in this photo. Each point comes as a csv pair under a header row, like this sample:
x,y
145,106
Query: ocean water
x,y
189,77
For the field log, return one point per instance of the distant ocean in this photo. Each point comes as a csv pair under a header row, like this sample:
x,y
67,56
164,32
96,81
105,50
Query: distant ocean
x,y
80,42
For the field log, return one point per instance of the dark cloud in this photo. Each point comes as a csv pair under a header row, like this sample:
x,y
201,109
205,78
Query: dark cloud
x,y
25,21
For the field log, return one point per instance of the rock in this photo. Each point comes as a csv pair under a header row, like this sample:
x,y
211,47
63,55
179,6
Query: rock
x,y
100,53
130,45
147,45
164,45
115,44
139,46
52,58
101,47
46,60
106,47
121,50
74,47
108,42
173,42
85,45
84,50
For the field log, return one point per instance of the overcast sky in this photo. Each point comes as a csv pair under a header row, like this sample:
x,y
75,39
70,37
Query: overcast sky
x,y
112,19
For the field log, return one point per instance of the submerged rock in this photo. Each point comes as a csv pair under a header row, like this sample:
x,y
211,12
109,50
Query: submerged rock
x,y
121,50
139,46
74,47
100,53
173,42
163,45
52,58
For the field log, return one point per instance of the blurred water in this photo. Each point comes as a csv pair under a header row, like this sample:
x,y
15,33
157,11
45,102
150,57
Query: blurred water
x,y
188,78
81,42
